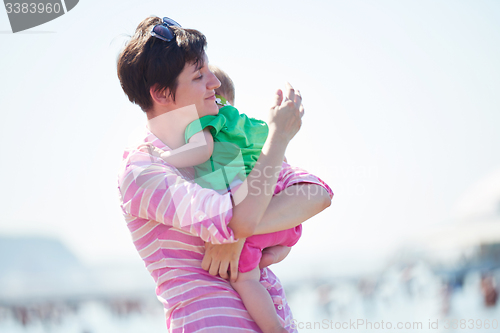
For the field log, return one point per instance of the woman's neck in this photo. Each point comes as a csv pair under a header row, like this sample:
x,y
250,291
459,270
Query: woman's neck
x,y
170,126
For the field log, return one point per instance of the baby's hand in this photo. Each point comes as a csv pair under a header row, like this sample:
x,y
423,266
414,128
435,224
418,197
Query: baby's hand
x,y
157,152
151,149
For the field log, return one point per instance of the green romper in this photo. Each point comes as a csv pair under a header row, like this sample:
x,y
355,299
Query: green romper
x,y
238,141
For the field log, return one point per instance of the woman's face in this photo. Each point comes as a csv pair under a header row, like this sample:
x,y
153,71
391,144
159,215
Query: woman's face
x,y
196,85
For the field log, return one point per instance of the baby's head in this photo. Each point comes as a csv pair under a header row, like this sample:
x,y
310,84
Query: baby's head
x,y
226,88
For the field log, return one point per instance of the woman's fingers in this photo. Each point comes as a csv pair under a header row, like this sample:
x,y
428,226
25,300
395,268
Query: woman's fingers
x,y
298,103
298,98
285,117
290,92
279,98
301,111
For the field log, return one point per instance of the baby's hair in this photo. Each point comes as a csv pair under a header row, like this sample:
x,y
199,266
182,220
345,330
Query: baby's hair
x,y
226,88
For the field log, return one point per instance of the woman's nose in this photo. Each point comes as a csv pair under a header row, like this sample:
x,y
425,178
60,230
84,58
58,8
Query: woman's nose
x,y
213,82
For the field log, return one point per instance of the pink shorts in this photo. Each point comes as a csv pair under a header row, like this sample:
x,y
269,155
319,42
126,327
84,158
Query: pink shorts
x,y
252,250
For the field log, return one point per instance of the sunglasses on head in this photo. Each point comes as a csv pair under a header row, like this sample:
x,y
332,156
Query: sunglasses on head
x,y
162,31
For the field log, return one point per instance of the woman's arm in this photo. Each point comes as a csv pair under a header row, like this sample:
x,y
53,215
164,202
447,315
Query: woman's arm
x,y
252,200
288,209
156,191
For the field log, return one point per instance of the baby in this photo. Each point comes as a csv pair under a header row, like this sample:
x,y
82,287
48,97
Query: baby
x,y
233,148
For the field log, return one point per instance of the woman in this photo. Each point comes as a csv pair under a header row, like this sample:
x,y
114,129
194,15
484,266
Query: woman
x,y
181,230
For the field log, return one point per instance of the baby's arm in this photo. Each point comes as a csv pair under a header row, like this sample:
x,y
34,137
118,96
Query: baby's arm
x,y
198,149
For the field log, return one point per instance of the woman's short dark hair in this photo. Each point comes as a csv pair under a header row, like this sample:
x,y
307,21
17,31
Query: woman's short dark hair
x,y
147,61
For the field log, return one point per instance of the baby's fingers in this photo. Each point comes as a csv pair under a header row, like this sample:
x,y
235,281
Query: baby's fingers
x,y
224,266
205,263
214,267
234,270
144,145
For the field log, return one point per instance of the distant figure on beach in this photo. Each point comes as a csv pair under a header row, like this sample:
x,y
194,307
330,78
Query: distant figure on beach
x,y
488,289
446,293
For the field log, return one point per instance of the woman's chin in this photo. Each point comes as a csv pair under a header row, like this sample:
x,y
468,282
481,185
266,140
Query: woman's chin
x,y
214,111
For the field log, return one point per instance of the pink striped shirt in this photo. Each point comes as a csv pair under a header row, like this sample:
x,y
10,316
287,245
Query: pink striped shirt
x,y
170,218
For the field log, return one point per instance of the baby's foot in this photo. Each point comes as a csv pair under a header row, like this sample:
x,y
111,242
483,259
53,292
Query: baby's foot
x,y
268,258
273,255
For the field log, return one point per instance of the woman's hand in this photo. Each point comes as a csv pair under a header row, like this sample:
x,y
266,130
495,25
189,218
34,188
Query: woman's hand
x,y
251,201
219,258
285,116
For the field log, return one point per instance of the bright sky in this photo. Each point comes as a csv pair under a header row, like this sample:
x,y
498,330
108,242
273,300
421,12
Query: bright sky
x,y
402,114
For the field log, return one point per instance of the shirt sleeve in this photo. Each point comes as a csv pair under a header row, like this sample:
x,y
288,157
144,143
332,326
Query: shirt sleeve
x,y
291,175
153,190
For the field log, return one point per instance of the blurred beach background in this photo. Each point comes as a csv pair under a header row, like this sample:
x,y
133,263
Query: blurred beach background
x,y
402,121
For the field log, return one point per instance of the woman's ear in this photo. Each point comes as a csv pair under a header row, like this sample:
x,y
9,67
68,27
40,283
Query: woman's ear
x,y
160,96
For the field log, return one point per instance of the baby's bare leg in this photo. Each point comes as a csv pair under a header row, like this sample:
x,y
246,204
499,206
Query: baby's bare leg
x,y
258,301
